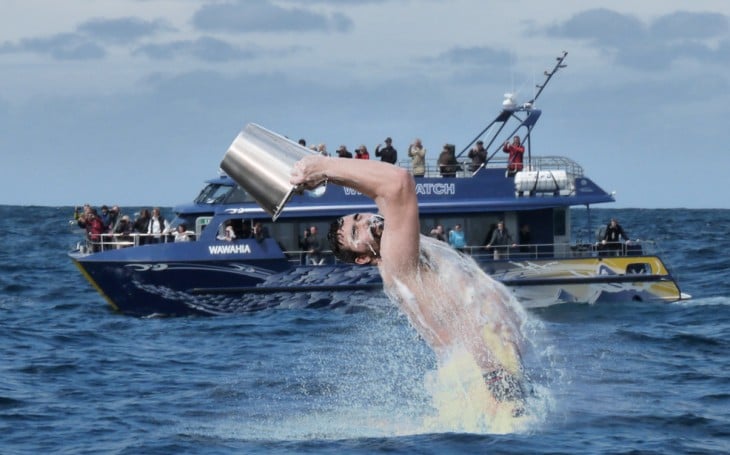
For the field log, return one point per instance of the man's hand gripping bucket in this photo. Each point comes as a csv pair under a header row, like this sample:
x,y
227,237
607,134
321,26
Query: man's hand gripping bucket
x,y
260,161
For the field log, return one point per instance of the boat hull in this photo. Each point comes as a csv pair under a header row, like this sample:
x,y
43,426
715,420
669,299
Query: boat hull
x,y
587,280
176,288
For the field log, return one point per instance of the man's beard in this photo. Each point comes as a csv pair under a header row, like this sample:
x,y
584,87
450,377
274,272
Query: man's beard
x,y
376,224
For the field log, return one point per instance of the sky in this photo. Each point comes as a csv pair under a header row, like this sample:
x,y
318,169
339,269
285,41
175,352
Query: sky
x,y
135,102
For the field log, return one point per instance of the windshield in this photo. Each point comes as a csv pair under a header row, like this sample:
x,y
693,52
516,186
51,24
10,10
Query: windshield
x,y
239,195
213,193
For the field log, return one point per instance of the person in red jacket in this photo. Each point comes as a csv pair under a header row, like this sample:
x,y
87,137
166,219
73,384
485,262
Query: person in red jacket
x,y
516,152
94,227
361,153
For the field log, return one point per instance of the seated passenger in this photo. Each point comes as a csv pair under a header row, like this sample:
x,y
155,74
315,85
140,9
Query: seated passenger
x,y
260,232
227,233
181,233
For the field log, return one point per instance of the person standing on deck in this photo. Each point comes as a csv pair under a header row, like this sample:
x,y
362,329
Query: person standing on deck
x,y
516,152
388,153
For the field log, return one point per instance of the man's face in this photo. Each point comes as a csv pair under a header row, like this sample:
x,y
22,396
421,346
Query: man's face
x,y
360,233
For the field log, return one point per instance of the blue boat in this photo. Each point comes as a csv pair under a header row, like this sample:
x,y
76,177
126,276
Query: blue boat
x,y
212,275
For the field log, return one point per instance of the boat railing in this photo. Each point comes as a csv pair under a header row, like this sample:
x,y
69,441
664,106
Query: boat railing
x,y
563,250
539,163
535,251
108,241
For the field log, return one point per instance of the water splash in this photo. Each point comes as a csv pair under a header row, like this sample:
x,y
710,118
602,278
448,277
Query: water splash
x,y
381,379
476,327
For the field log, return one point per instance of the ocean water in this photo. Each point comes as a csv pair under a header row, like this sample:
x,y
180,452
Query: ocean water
x,y
622,378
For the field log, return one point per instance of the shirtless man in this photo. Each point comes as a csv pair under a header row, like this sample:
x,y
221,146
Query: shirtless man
x,y
447,298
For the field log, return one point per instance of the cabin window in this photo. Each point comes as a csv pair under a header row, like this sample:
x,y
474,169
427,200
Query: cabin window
x,y
476,228
638,268
559,224
290,234
241,228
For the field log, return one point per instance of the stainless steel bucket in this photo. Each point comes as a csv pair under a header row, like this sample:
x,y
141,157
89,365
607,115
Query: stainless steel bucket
x,y
260,161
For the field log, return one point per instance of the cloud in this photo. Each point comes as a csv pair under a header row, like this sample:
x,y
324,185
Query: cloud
x,y
685,25
120,30
475,55
244,16
205,48
602,27
470,65
83,43
62,46
650,46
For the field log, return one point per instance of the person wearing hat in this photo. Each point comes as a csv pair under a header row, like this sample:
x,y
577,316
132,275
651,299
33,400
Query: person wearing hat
x,y
342,152
387,153
478,155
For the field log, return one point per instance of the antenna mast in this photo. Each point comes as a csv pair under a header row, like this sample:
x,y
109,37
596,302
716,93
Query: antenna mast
x,y
549,75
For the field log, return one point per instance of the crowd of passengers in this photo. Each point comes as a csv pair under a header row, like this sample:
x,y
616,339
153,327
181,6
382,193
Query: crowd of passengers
x,y
108,227
447,163
242,229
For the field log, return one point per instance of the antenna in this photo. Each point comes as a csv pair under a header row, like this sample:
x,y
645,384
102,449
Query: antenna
x,y
549,74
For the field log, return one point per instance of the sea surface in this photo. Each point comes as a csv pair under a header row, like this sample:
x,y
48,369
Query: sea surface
x,y
77,378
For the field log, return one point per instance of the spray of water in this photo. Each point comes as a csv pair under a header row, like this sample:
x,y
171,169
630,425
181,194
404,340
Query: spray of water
x,y
476,328
381,379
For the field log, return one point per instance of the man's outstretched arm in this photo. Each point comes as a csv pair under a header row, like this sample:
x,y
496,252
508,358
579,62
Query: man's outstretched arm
x,y
391,187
